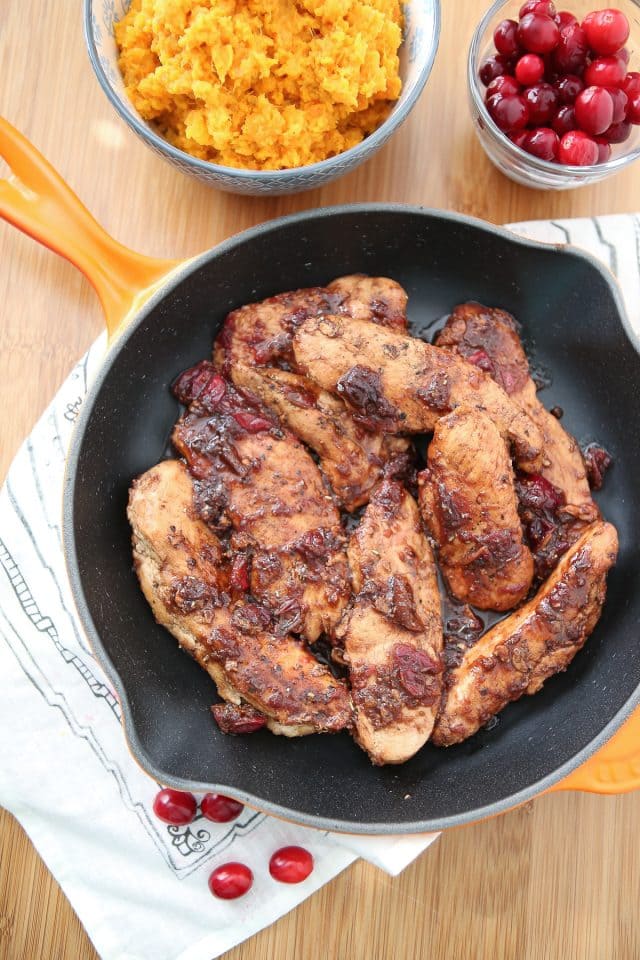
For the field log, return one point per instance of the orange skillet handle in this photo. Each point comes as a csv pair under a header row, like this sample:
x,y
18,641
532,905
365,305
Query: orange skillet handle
x,y
615,768
38,201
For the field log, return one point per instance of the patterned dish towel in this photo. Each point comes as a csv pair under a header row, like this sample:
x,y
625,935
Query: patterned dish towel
x,y
138,885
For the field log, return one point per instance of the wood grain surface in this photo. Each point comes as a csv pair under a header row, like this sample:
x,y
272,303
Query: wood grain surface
x,y
556,879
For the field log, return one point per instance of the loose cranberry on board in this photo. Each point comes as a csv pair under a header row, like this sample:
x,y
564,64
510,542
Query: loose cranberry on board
x,y
291,864
230,880
175,806
220,809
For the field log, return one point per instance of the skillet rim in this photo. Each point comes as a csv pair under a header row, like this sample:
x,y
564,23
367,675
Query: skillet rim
x,y
138,753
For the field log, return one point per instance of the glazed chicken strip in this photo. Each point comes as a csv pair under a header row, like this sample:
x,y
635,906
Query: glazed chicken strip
x,y
399,384
392,633
260,333
468,502
183,575
257,479
540,639
489,338
352,459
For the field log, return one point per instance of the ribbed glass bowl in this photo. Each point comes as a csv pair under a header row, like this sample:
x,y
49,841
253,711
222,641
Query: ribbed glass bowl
x,y
514,162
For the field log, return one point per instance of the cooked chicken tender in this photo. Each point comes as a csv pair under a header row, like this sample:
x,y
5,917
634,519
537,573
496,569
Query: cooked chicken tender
x,y
352,459
392,633
398,384
260,333
542,638
183,575
489,338
257,479
468,502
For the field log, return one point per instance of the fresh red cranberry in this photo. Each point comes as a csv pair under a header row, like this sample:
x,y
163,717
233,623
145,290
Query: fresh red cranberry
x,y
605,72
505,38
606,30
604,150
618,132
620,101
594,110
508,113
542,100
506,85
570,55
494,67
544,7
231,880
538,33
633,109
175,806
518,138
631,87
529,69
542,143
565,19
251,422
577,149
564,120
220,809
622,55
568,88
291,864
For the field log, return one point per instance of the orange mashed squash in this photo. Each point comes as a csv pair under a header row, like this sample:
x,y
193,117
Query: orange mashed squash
x,y
262,84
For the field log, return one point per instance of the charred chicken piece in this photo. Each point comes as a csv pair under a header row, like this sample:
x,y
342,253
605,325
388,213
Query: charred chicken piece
x,y
392,633
399,384
256,479
468,502
352,459
489,338
260,333
540,639
184,576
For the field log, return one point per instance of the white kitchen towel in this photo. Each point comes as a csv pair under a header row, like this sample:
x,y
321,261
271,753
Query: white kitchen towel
x,y
138,885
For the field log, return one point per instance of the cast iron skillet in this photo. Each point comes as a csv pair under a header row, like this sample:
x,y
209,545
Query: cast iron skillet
x,y
572,315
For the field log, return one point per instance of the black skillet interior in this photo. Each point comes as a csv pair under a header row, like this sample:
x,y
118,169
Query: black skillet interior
x,y
570,315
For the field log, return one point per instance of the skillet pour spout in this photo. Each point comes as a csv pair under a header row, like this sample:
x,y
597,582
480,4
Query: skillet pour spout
x,y
571,735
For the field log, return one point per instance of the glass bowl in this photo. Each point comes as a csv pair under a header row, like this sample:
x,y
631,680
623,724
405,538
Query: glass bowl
x,y
417,53
516,163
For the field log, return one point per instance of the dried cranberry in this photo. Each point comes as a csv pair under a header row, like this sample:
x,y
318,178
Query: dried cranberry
x,y
175,806
606,30
414,668
597,461
200,382
220,809
239,579
231,880
291,864
236,719
480,358
251,422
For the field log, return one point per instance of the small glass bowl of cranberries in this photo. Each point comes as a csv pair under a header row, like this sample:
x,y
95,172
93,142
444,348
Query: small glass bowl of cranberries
x,y
554,89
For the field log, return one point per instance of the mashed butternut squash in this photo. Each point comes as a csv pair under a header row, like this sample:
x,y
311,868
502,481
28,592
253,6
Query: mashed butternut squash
x,y
262,84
